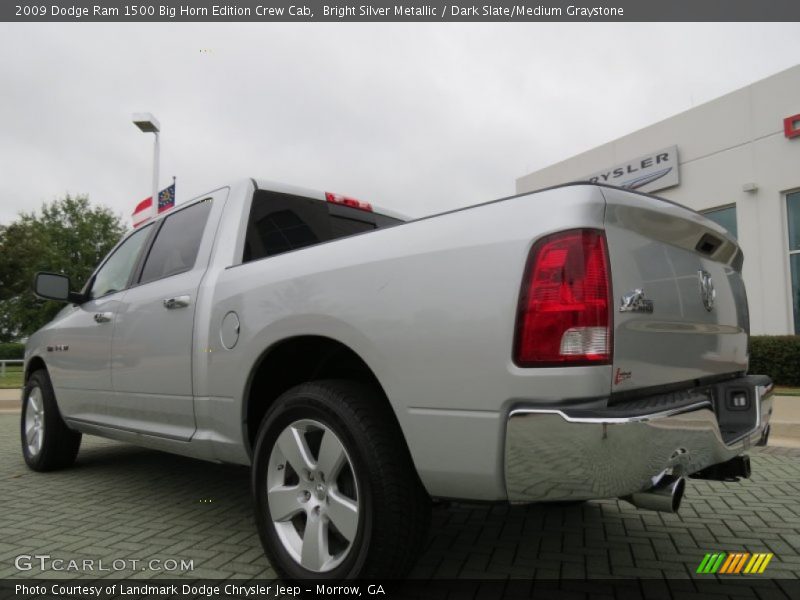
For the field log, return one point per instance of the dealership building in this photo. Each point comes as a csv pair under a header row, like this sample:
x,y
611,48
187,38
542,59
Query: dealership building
x,y
735,159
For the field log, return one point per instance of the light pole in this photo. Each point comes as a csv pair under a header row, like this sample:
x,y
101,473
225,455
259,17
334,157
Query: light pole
x,y
149,124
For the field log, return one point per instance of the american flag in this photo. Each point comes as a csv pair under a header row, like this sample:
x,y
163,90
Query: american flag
x,y
143,211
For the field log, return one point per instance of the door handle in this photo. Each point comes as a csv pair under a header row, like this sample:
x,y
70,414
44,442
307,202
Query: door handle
x,y
177,302
103,317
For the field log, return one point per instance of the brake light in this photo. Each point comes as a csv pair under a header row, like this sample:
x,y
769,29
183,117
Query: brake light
x,y
564,308
348,201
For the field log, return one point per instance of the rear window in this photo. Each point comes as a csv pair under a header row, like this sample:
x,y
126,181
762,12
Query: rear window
x,y
280,223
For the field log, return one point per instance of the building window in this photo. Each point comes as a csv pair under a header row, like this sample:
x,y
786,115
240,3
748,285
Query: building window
x,y
725,216
793,213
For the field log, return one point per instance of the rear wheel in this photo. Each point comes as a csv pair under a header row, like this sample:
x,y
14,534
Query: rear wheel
x,y
47,442
336,492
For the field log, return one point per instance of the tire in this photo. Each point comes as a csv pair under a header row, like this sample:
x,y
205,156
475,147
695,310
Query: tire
x,y
370,515
47,443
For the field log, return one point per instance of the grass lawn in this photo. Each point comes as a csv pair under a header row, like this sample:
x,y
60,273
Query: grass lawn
x,y
12,378
13,381
787,391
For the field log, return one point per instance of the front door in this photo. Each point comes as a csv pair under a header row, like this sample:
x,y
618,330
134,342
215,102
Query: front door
x,y
79,355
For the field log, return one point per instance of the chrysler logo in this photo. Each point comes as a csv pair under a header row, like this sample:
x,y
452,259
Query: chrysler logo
x,y
637,182
707,291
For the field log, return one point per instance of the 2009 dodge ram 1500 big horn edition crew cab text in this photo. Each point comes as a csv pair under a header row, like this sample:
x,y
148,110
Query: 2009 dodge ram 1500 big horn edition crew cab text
x,y
576,343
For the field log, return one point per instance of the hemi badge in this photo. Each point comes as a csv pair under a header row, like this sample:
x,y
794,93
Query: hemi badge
x,y
634,301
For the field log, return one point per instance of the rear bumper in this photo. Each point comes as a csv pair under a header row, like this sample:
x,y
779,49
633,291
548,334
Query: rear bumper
x,y
563,454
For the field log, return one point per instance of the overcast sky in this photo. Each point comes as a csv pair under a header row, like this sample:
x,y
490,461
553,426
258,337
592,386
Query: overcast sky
x,y
418,118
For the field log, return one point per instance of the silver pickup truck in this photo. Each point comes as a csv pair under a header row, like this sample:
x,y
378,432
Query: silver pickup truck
x,y
576,343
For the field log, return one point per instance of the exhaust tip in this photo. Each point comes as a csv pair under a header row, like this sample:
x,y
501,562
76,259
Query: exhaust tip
x,y
665,496
677,494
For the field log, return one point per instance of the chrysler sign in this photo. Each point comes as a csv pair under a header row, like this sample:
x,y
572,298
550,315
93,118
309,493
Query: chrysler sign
x,y
649,173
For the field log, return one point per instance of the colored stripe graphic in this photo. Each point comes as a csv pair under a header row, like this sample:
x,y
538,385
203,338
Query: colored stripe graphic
x,y
711,562
704,564
764,564
754,563
715,567
731,559
740,563
734,563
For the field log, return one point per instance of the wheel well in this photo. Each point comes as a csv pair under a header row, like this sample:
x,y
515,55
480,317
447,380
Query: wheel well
x,y
34,365
295,361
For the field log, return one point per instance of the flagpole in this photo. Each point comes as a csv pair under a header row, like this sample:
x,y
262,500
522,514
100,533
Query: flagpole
x,y
154,209
147,123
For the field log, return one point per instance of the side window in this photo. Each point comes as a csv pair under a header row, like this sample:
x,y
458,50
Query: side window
x,y
113,276
282,222
175,248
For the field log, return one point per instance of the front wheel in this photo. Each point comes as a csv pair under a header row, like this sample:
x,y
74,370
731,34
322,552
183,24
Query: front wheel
x,y
336,493
47,442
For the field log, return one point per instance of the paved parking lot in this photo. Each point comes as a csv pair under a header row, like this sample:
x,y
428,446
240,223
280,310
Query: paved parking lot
x,y
124,503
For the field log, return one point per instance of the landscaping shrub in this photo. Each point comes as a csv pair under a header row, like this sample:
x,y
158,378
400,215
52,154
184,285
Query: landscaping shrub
x,y
777,356
12,351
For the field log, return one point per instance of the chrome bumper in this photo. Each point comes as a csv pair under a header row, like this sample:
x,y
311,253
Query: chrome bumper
x,y
550,454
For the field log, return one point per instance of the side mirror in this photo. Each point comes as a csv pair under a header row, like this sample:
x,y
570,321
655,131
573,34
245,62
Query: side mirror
x,y
53,286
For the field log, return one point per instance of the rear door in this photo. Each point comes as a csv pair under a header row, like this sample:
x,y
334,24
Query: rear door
x,y
680,308
153,339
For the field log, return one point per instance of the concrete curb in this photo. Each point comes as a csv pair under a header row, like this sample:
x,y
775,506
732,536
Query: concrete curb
x,y
785,422
10,401
10,394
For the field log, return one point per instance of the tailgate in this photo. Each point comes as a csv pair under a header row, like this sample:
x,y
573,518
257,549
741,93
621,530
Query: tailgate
x,y
680,309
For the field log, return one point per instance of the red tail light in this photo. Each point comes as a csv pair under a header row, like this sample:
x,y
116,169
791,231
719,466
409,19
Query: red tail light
x,y
348,201
564,309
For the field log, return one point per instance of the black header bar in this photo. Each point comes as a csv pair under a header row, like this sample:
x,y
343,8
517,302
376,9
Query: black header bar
x,y
266,11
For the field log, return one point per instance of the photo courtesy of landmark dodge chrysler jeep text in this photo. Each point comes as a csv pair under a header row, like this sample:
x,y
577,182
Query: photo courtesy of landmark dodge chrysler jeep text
x,y
575,343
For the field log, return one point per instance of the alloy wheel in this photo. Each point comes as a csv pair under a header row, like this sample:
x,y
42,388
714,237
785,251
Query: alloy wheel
x,y
312,495
34,421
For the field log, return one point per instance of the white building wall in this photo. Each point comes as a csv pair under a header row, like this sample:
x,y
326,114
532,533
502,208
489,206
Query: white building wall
x,y
722,145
